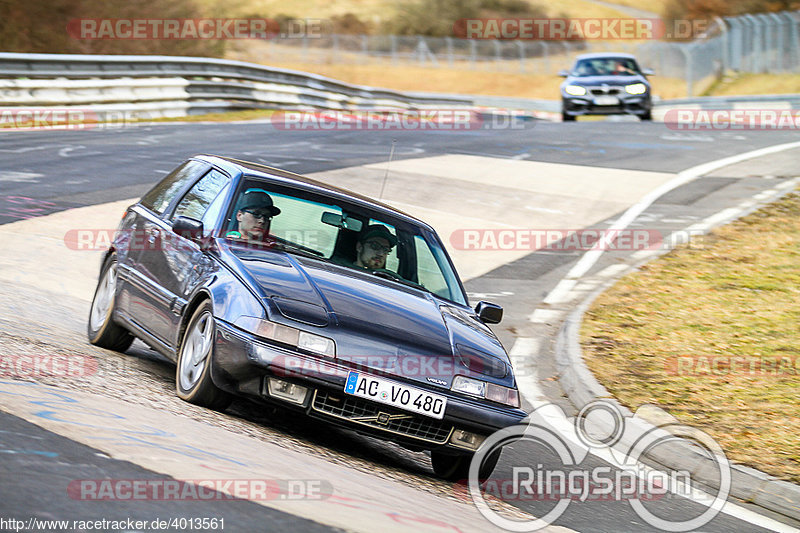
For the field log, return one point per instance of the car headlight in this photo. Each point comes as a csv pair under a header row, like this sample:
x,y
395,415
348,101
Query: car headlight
x,y
287,335
636,88
489,391
575,90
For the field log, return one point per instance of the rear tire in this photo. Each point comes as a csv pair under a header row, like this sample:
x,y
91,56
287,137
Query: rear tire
x,y
101,329
566,117
646,117
456,467
193,375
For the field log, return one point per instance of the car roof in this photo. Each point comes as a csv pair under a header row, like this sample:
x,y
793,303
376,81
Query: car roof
x,y
257,170
596,55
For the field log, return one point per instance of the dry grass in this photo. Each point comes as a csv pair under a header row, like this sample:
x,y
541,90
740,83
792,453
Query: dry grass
x,y
758,84
736,295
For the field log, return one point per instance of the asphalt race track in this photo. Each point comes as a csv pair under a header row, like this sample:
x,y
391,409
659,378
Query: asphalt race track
x,y
123,422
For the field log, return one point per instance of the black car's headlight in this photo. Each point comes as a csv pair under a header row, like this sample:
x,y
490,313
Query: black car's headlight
x,y
483,389
636,88
287,335
575,90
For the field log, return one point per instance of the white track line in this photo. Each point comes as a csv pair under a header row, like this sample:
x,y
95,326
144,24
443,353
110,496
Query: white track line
x,y
533,392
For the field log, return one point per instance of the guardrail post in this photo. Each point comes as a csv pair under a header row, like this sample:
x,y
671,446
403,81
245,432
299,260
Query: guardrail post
x,y
687,54
521,48
546,56
365,47
794,39
393,44
449,43
473,52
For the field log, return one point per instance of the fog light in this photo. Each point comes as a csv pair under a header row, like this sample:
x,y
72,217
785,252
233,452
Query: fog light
x,y
465,439
289,392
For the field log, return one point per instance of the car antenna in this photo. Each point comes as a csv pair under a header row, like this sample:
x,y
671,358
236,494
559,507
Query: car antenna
x,y
386,176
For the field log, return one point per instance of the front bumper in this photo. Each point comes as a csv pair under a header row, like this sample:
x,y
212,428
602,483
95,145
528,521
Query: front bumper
x,y
586,105
242,363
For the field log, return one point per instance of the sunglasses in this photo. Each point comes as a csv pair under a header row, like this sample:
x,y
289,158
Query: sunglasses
x,y
263,215
377,247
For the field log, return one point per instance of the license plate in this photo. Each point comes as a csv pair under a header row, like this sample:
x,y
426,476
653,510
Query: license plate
x,y
395,394
606,100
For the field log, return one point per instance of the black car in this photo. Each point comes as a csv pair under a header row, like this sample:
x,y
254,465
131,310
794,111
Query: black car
x,y
606,84
265,284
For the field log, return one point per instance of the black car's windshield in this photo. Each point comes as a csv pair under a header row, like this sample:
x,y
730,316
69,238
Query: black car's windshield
x,y
605,66
311,225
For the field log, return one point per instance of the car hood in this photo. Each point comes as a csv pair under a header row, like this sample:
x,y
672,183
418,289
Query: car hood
x,y
377,324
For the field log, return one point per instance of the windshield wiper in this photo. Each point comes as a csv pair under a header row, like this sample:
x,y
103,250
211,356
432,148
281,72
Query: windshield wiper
x,y
299,248
387,274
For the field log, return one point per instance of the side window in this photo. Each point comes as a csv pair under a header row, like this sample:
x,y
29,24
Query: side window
x,y
160,196
195,202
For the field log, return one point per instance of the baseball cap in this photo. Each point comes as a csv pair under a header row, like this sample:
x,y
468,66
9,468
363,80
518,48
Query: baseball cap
x,y
377,230
258,199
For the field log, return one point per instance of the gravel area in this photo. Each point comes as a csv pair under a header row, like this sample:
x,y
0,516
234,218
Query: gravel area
x,y
143,377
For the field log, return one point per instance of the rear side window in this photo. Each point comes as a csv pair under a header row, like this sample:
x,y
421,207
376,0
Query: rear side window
x,y
160,196
195,203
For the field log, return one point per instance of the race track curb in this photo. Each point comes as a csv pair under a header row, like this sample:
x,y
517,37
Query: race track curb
x,y
582,388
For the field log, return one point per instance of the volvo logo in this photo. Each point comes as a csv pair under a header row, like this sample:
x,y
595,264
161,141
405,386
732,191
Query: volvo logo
x,y
382,419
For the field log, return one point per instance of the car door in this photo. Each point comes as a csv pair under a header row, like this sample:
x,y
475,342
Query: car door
x,y
136,287
173,264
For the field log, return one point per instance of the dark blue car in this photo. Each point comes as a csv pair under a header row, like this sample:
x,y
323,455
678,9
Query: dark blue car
x,y
261,283
606,84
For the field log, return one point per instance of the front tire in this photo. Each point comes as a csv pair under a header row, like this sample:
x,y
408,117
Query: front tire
x,y
456,467
647,117
566,117
101,329
193,375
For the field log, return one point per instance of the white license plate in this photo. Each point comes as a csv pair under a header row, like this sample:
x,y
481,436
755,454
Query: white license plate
x,y
395,394
606,100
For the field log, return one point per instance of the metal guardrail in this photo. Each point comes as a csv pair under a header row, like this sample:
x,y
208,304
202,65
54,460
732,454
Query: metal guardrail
x,y
231,84
168,86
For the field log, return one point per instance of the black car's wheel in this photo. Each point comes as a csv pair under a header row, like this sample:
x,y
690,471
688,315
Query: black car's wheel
x,y
193,375
101,328
646,117
456,467
566,117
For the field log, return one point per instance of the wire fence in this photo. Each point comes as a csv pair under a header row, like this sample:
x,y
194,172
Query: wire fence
x,y
766,43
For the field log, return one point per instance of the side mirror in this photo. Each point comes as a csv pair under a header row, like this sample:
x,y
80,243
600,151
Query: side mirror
x,y
648,72
563,73
188,228
489,313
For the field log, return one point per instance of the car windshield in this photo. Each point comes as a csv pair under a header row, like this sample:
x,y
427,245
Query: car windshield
x,y
605,66
307,224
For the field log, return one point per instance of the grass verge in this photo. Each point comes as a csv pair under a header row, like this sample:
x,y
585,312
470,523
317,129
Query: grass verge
x,y
710,333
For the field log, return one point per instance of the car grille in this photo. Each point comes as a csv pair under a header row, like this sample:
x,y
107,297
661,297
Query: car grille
x,y
602,91
381,417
